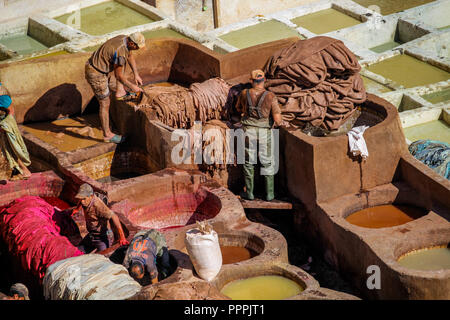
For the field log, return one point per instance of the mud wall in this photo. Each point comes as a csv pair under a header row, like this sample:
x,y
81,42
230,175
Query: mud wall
x,y
46,88
316,163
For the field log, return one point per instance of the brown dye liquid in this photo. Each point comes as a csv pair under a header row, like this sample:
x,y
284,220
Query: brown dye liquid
x,y
385,216
67,134
232,254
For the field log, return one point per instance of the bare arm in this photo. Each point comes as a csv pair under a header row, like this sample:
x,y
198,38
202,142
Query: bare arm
x,y
278,120
118,72
123,241
132,62
276,113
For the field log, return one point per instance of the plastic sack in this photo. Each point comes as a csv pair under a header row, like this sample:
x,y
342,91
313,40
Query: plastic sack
x,y
88,277
203,247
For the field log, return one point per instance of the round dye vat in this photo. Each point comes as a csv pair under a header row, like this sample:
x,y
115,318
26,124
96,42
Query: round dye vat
x,y
262,288
385,216
437,258
232,254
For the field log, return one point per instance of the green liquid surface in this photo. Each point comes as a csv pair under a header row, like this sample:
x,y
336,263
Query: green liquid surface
x,y
22,44
105,18
260,33
427,259
433,130
374,87
262,288
163,33
408,71
325,21
392,6
385,46
438,97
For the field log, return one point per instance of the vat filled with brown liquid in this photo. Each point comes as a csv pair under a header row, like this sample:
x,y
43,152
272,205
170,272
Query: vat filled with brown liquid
x,y
233,254
385,216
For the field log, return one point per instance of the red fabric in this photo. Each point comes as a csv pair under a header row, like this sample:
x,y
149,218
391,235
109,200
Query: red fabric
x,y
32,236
57,202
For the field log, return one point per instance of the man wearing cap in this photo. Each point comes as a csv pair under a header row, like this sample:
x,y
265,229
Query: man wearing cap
x,y
147,257
259,113
113,55
97,215
11,142
17,291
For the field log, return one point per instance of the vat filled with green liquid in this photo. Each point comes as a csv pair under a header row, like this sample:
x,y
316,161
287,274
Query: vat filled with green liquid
x,y
325,21
391,6
408,71
437,258
163,33
260,33
374,87
386,46
104,18
22,44
271,287
438,97
434,130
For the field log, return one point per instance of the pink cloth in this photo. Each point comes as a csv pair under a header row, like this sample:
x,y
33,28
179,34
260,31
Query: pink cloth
x,y
28,228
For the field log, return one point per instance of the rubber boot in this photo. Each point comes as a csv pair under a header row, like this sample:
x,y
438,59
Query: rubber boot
x,y
249,182
270,187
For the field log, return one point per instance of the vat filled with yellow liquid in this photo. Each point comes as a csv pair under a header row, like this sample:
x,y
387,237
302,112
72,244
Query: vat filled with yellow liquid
x,y
437,258
271,287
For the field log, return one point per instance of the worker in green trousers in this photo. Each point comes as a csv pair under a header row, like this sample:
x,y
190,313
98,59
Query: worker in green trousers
x,y
260,112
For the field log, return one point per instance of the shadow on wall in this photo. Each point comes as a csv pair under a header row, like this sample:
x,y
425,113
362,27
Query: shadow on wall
x,y
58,102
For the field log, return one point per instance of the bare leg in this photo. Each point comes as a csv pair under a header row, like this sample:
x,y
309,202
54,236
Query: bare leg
x,y
26,172
104,118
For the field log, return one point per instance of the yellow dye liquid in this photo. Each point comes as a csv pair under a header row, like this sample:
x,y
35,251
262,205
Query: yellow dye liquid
x,y
104,18
64,134
392,6
260,33
427,259
51,54
22,44
163,33
408,71
385,46
262,288
435,130
325,21
438,97
92,48
374,87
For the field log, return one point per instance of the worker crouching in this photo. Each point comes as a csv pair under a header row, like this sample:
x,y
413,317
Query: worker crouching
x,y
260,112
147,257
97,215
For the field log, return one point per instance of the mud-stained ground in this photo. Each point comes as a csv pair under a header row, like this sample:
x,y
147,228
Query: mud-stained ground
x,y
301,253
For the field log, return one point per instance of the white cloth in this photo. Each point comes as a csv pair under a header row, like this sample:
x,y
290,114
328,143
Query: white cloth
x,y
357,143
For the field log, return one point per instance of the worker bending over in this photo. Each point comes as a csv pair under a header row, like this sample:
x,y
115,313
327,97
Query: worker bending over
x,y
97,215
147,257
17,291
113,55
259,113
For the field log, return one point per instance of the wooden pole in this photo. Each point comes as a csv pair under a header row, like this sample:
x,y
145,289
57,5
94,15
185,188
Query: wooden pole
x,y
216,13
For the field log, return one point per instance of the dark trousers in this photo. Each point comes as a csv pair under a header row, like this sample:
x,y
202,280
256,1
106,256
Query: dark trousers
x,y
91,242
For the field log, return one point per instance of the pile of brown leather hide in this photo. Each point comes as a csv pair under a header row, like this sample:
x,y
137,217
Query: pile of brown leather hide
x,y
316,81
179,107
